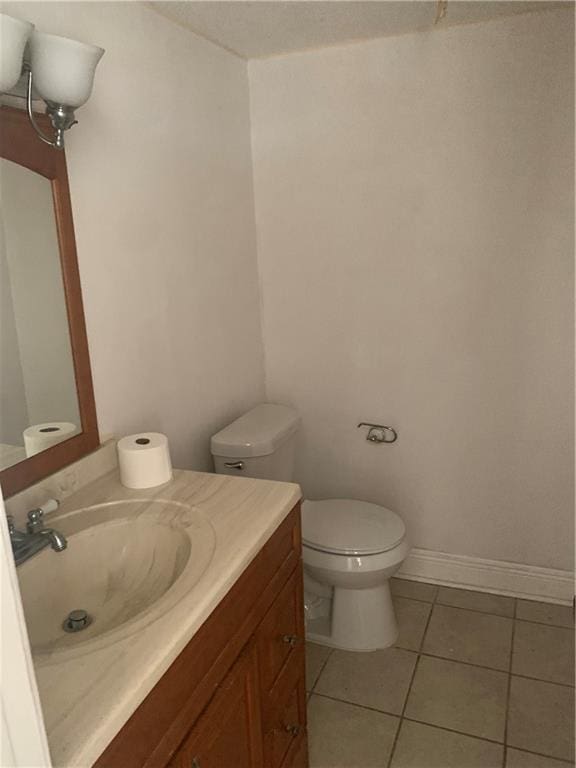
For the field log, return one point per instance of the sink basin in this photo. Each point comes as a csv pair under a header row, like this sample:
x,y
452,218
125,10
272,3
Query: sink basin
x,y
127,563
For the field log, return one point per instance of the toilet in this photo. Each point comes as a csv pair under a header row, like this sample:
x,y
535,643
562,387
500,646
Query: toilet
x,y
350,548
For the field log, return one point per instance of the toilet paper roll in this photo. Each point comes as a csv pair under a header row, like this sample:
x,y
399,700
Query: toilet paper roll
x,y
38,437
144,460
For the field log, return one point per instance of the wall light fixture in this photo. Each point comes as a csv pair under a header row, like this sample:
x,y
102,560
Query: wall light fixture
x,y
60,70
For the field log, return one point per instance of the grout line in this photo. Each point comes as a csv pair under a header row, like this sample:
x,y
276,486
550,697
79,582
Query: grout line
x,y
421,646
436,601
453,730
484,738
550,757
409,691
491,669
542,624
414,599
428,655
537,754
542,680
509,686
401,718
322,668
359,706
475,610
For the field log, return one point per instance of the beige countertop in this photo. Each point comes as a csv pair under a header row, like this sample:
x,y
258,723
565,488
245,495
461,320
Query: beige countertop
x,y
87,699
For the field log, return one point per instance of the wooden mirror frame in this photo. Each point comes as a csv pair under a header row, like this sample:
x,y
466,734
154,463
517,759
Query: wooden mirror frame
x,y
20,144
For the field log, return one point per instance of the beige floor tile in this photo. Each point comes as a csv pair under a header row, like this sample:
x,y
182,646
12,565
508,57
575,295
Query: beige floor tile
x,y
379,679
544,652
457,696
515,758
412,616
476,601
316,656
477,638
541,718
423,746
545,613
414,590
344,736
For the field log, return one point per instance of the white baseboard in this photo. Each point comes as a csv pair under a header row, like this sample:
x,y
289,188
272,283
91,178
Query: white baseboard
x,y
497,576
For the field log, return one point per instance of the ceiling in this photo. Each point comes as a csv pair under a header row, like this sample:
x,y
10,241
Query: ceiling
x,y
257,29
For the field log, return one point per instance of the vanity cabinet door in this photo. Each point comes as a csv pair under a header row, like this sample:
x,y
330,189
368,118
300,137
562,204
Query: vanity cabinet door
x,y
228,733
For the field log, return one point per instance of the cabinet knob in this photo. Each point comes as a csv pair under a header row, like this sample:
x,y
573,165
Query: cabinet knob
x,y
195,763
291,640
294,730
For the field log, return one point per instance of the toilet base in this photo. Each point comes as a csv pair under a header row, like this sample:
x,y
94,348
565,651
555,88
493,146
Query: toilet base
x,y
361,620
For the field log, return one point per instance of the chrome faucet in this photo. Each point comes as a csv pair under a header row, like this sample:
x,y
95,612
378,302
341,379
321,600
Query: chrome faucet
x,y
26,544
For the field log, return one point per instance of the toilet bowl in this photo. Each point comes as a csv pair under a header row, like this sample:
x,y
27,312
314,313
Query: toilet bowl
x,y
353,548
350,548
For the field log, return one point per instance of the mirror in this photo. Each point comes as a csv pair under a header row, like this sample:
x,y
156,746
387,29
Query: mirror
x,y
38,401
47,413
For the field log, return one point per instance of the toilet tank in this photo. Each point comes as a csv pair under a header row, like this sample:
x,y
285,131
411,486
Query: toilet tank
x,y
258,444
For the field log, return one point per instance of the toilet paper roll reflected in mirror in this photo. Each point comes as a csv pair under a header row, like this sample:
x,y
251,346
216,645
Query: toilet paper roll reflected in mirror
x,y
144,460
39,437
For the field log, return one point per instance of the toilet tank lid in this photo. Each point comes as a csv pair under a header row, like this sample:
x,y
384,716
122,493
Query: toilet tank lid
x,y
257,433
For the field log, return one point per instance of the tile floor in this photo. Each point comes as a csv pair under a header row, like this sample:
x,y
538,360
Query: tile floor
x,y
474,681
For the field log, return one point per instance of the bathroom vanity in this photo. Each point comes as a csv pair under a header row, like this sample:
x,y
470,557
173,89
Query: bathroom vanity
x,y
201,664
236,695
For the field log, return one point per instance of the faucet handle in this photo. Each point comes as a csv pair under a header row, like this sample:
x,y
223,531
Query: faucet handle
x,y
50,505
36,516
35,520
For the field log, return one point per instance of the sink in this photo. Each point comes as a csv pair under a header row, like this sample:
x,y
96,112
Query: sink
x,y
127,563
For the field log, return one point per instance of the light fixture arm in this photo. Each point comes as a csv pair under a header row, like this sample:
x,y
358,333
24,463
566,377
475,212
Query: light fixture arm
x,y
31,113
61,116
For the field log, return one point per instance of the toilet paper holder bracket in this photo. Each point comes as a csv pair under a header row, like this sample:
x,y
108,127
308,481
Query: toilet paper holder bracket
x,y
379,433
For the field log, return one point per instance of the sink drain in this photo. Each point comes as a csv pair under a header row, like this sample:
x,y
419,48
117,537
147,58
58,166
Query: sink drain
x,y
76,621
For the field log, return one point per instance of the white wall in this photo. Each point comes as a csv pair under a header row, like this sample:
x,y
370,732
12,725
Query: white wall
x,y
160,176
414,200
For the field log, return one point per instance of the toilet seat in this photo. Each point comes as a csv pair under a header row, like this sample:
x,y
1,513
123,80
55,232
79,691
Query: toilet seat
x,y
350,527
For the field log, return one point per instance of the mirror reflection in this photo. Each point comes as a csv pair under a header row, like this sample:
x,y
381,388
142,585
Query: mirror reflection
x,y
38,400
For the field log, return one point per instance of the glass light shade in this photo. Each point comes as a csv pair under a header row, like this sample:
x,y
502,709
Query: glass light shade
x,y
63,69
14,35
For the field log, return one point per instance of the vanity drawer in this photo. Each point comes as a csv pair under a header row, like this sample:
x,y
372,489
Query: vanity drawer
x,y
281,633
286,729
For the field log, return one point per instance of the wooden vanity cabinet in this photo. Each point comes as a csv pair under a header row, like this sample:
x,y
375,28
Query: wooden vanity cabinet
x,y
236,695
